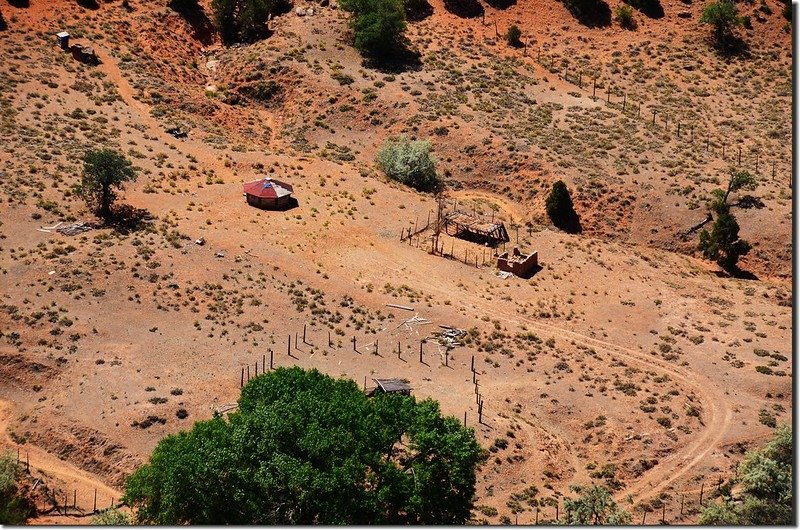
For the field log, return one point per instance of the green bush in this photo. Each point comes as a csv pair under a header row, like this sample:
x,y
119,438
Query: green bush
x,y
624,15
379,25
513,35
409,162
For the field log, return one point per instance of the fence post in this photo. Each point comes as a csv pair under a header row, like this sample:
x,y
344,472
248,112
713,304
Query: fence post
x,y
94,506
663,513
609,92
701,492
654,117
241,382
679,129
594,87
270,359
354,344
682,496
624,101
420,351
289,346
739,162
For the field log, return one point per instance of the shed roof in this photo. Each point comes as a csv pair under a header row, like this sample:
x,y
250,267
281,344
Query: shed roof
x,y
62,34
393,385
268,188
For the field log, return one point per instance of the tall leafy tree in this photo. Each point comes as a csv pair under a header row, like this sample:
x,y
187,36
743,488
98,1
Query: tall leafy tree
x,y
766,477
305,448
104,171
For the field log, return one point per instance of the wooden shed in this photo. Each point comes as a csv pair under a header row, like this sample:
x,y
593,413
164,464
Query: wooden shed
x,y
470,228
268,194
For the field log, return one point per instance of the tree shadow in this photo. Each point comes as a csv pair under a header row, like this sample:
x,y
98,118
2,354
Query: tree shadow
x,y
194,14
501,4
590,13
20,3
733,47
569,222
464,8
126,219
422,9
89,4
737,273
3,25
750,201
649,8
398,61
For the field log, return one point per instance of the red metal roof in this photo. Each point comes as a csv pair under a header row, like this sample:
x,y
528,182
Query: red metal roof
x,y
268,188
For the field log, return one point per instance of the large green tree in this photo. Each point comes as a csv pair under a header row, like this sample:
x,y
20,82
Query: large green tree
x,y
304,448
379,25
104,171
765,498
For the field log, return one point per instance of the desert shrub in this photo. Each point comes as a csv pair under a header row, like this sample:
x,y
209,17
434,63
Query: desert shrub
x,y
409,162
110,517
513,35
378,25
624,15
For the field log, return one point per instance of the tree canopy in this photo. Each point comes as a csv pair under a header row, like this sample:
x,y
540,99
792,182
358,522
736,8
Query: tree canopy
x,y
594,506
244,20
378,25
104,170
766,496
409,162
724,17
304,448
14,508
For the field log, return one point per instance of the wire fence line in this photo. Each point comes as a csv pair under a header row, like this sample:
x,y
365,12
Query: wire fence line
x,y
690,131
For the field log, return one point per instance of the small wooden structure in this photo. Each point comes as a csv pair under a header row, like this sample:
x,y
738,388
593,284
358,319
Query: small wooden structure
x,y
390,386
517,263
268,194
63,40
464,226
